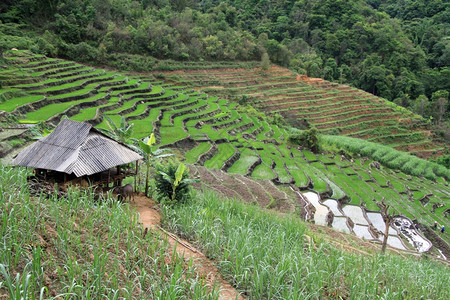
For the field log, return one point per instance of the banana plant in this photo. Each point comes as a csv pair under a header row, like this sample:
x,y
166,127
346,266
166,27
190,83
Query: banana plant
x,y
178,182
120,133
174,181
39,131
150,156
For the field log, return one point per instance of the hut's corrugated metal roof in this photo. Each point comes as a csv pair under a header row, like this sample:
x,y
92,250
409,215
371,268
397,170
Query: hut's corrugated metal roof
x,y
75,147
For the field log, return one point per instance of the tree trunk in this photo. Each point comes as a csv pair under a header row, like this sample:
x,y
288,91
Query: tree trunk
x,y
386,232
387,218
146,181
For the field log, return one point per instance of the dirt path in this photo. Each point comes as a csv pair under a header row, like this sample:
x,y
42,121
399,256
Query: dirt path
x,y
150,218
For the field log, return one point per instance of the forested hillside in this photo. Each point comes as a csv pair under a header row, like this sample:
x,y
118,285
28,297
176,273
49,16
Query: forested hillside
x,y
398,50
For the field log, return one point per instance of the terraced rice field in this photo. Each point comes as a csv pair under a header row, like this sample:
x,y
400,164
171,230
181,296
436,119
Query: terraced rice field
x,y
219,134
330,107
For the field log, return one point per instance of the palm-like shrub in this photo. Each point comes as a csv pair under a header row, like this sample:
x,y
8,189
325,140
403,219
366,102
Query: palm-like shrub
x,y
150,156
172,183
121,133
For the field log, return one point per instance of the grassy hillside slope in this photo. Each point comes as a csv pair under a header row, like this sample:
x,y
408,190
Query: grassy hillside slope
x,y
271,257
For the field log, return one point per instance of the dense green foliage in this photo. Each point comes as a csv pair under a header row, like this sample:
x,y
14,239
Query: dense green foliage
x,y
405,58
307,138
172,187
271,257
444,160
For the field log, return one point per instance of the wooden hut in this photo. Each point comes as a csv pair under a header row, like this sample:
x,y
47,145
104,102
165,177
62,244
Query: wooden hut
x,y
76,149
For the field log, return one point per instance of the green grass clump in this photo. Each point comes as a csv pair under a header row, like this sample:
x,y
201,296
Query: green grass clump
x,y
144,127
115,118
309,156
272,152
264,170
27,122
248,157
265,256
78,248
212,134
85,114
172,134
90,113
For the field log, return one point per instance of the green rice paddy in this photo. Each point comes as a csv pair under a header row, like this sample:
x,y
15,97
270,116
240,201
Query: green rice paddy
x,y
205,121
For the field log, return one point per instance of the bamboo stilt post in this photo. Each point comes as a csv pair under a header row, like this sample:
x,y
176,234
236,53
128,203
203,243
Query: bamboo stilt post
x,y
119,180
135,174
139,180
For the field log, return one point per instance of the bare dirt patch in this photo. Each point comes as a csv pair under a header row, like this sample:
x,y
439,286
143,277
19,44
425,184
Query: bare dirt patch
x,y
221,183
258,191
308,79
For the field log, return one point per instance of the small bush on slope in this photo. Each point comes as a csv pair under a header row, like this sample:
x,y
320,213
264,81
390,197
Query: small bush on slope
x,y
306,138
172,183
